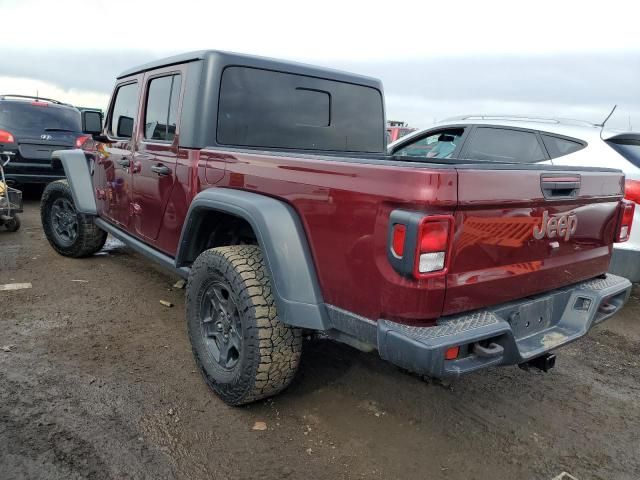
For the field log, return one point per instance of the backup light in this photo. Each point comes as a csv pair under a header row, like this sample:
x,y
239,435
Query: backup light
x,y
430,262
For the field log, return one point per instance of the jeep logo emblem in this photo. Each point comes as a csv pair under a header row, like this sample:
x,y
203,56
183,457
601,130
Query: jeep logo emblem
x,y
561,227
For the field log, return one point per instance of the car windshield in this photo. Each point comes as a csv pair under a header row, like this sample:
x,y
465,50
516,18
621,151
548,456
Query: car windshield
x,y
26,117
629,149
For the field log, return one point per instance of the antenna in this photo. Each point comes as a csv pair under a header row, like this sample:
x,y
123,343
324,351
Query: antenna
x,y
601,125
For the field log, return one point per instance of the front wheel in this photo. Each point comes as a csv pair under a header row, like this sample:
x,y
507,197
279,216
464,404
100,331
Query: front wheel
x,y
69,232
243,350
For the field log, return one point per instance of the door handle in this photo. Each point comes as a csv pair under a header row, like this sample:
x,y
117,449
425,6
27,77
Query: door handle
x,y
124,162
161,170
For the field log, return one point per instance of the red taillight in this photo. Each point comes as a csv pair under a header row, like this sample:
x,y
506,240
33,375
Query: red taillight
x,y
399,236
81,140
433,245
40,104
626,220
434,236
632,190
6,137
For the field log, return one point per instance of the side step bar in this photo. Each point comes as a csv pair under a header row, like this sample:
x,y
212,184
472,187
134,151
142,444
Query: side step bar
x,y
164,260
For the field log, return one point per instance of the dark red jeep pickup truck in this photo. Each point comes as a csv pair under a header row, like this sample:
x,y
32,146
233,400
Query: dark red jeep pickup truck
x,y
266,185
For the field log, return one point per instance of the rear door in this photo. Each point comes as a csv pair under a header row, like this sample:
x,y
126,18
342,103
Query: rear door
x,y
155,159
521,230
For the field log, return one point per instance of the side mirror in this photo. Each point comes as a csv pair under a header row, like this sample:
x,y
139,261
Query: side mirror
x,y
125,127
91,122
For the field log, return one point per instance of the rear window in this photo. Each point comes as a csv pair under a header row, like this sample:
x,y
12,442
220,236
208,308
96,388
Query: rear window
x,y
25,117
558,146
504,145
262,108
628,148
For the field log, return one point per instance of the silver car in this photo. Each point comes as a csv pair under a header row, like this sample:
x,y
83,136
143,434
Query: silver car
x,y
538,140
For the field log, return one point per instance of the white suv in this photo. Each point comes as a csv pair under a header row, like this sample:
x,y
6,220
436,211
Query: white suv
x,y
535,140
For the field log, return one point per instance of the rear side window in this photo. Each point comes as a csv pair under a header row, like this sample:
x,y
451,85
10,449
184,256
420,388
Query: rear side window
x,y
558,147
161,110
504,145
629,148
262,108
124,111
23,117
440,144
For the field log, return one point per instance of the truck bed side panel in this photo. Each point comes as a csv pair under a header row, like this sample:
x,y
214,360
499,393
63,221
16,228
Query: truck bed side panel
x,y
345,209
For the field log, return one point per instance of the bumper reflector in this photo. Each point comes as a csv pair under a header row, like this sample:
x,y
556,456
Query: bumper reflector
x,y
452,353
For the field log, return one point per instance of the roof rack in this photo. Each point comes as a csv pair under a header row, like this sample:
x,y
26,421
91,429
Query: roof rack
x,y
31,97
520,118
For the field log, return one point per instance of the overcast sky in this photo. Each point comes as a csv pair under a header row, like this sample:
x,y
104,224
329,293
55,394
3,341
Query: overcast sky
x,y
545,58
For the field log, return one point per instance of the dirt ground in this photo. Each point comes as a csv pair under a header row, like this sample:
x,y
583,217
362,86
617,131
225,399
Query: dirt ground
x,y
97,381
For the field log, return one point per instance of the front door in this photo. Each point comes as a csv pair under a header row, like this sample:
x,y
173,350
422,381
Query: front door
x,y
114,159
155,158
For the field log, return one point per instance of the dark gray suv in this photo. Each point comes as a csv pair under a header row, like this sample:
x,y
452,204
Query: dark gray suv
x,y
30,129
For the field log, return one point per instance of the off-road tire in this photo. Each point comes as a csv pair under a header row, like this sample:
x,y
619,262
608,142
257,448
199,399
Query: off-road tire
x,y
13,224
271,350
89,240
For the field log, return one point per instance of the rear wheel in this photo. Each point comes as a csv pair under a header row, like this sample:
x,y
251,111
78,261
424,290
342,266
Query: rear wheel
x,y
69,232
243,350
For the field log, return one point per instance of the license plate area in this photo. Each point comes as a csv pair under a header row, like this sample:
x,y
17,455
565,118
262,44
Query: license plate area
x,y
531,317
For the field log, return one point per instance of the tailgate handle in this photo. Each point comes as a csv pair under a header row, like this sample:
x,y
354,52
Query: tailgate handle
x,y
556,186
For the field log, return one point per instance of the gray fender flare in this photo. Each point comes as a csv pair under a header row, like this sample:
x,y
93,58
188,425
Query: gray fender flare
x,y
78,173
284,246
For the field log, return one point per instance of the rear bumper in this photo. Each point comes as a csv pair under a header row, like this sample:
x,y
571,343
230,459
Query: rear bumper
x,y
517,332
32,174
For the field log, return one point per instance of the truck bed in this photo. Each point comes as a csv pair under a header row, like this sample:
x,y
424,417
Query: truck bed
x,y
345,201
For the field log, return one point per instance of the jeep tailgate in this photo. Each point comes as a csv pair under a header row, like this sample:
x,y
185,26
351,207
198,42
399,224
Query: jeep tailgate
x,y
496,257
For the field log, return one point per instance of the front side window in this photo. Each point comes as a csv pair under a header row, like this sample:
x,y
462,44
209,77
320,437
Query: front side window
x,y
124,111
440,144
504,145
161,110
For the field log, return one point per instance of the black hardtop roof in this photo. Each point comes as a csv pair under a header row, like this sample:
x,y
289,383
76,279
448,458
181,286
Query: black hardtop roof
x,y
238,59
